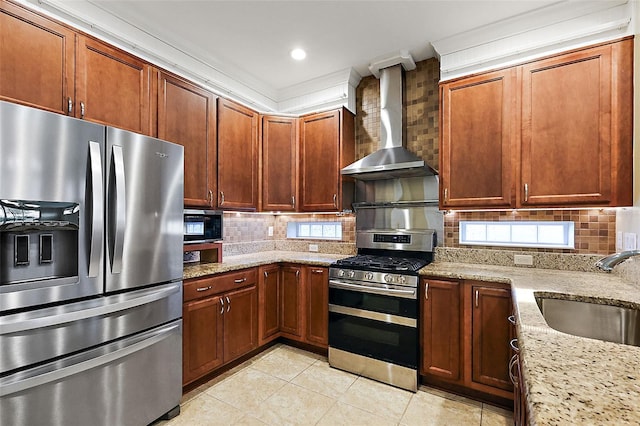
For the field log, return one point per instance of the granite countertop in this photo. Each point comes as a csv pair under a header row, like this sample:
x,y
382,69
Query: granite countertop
x,y
233,263
569,379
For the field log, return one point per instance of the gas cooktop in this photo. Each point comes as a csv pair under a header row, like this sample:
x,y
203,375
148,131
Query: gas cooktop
x,y
381,263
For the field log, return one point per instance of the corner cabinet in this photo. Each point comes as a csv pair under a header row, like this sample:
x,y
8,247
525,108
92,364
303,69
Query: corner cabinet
x,y
237,156
37,60
187,116
555,132
279,163
327,144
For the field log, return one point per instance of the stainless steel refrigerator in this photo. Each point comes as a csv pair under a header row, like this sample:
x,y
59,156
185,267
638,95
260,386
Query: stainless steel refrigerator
x,y
91,237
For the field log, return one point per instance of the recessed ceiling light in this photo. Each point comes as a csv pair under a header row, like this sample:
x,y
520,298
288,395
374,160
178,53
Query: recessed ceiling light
x,y
298,54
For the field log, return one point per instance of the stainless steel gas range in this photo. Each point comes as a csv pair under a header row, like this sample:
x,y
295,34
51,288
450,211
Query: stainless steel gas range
x,y
373,305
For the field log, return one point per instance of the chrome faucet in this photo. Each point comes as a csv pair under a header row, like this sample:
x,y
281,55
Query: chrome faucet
x,y
608,263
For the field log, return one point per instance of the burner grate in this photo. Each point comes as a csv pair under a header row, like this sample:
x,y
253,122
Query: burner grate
x,y
386,263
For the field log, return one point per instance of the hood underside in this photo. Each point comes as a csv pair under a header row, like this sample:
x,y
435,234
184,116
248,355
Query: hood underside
x,y
392,160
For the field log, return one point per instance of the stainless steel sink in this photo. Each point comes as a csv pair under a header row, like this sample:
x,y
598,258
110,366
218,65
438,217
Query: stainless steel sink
x,y
596,321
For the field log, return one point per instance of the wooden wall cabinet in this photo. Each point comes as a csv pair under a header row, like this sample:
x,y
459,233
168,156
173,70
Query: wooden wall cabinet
x,y
187,116
220,321
279,163
327,144
37,60
237,156
465,337
555,132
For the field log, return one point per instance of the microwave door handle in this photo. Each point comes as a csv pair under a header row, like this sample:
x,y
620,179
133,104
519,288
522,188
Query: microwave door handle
x,y
120,209
97,207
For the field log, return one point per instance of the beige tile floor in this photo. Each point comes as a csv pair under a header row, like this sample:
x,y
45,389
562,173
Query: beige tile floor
x,y
288,386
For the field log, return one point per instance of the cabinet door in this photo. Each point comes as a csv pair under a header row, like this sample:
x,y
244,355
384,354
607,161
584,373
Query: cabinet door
x,y
566,129
187,116
202,338
240,322
279,165
237,156
291,301
37,60
477,132
320,161
441,329
490,334
317,294
112,87
268,304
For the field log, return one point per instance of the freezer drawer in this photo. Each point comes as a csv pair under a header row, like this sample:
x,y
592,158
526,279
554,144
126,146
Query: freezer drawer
x,y
43,334
129,382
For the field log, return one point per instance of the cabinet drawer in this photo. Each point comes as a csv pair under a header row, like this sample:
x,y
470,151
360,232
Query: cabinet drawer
x,y
202,287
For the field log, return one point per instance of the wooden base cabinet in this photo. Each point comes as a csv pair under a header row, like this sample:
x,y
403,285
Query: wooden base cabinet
x,y
268,303
317,305
465,336
220,320
291,302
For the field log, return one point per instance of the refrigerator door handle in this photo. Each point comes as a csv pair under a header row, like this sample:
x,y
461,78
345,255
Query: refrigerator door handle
x,y
120,210
148,296
97,207
59,374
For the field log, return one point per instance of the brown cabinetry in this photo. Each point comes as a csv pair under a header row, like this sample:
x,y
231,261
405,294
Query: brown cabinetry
x,y
291,301
220,316
317,305
268,303
326,145
476,147
237,156
550,133
441,329
279,163
187,116
37,60
112,87
465,337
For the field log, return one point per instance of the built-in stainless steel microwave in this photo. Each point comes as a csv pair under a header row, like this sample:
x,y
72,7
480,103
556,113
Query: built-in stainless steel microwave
x,y
202,226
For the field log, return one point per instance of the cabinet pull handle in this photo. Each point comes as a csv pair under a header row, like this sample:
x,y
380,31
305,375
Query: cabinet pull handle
x,y
446,194
228,303
426,290
512,319
477,296
266,274
81,109
203,288
293,201
69,106
335,200
221,198
514,345
240,280
210,197
316,271
297,274
526,192
221,306
512,364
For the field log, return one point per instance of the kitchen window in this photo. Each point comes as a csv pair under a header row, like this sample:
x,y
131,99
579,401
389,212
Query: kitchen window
x,y
538,234
315,230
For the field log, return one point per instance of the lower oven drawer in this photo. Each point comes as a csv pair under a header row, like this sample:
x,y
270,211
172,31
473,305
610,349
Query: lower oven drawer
x,y
389,342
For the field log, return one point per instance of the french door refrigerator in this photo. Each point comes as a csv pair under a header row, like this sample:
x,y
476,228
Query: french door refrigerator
x,y
91,230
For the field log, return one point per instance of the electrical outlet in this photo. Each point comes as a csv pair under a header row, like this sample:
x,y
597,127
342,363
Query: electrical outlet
x,y
630,240
313,247
270,231
618,240
523,259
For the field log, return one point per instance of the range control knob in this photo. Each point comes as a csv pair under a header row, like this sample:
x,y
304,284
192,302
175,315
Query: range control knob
x,y
402,279
351,274
341,273
388,278
368,276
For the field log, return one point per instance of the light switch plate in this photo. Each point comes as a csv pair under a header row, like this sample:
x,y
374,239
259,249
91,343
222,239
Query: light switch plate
x,y
313,247
270,231
523,259
630,241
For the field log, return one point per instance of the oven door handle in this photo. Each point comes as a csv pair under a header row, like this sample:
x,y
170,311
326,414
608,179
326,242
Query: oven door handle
x,y
375,316
410,294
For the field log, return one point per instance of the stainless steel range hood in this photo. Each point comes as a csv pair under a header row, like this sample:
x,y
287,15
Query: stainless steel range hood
x,y
392,160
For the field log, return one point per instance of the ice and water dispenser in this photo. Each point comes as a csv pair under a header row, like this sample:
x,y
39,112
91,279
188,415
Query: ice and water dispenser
x,y
38,240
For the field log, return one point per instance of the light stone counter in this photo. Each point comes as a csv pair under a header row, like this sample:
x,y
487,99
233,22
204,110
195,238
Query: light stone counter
x,y
569,380
233,263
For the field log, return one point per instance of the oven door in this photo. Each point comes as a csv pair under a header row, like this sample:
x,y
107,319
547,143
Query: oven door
x,y
373,325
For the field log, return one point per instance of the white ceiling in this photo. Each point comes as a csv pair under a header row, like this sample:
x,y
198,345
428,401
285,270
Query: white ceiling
x,y
251,40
